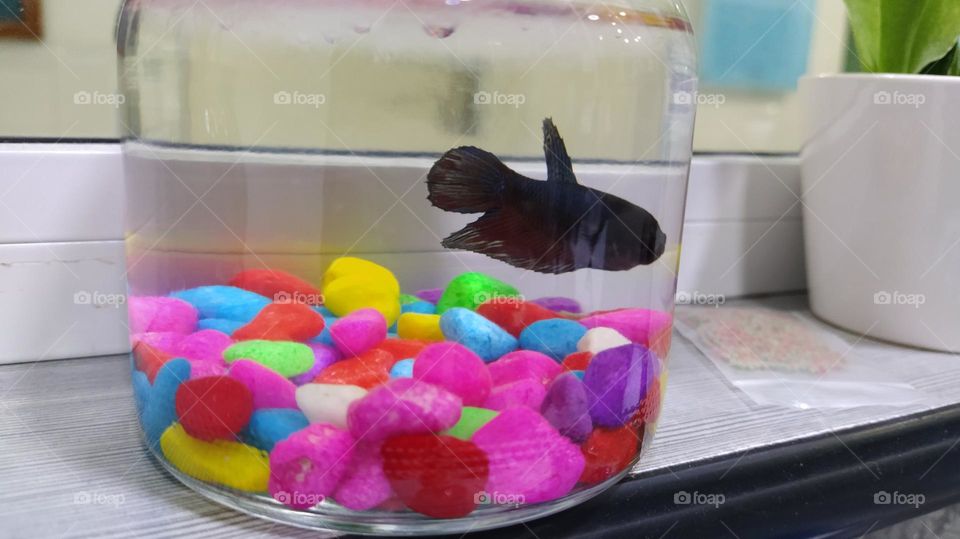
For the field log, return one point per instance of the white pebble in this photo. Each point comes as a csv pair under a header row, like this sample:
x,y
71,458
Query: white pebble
x,y
597,340
327,403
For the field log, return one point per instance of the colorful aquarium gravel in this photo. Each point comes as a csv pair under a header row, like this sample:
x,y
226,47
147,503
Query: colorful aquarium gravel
x,y
476,396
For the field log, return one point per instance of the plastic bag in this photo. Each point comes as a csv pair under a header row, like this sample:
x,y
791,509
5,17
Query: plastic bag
x,y
786,359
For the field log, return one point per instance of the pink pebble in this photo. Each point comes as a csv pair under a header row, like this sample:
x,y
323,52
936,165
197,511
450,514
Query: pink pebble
x,y
307,466
207,344
403,406
365,486
324,356
455,368
638,325
527,392
158,313
200,368
524,364
358,332
165,341
528,457
269,389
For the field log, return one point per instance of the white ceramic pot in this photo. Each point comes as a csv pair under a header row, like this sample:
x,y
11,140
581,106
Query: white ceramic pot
x,y
881,196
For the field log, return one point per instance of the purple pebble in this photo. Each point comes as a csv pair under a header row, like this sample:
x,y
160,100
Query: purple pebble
x,y
560,304
567,407
324,357
617,380
431,295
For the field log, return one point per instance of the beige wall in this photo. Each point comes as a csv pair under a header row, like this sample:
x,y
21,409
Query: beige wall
x,y
40,82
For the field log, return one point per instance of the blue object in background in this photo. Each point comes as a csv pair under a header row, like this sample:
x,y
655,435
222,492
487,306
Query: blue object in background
x,y
756,44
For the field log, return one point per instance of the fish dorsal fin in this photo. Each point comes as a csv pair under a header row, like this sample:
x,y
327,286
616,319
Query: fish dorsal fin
x,y
559,168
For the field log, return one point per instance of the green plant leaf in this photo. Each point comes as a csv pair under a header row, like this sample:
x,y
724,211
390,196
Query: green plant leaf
x,y
904,36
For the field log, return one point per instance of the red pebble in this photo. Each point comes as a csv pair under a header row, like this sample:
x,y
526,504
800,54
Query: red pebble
x,y
149,359
403,348
649,408
282,322
514,314
438,476
577,361
213,407
278,285
368,370
608,452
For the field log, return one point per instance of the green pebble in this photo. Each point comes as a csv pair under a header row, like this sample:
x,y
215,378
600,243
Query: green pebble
x,y
471,419
469,290
286,358
406,299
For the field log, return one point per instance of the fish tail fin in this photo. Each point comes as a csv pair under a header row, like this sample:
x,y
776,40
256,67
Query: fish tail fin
x,y
468,180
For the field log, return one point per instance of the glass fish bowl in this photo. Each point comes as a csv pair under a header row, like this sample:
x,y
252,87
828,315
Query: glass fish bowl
x,y
403,267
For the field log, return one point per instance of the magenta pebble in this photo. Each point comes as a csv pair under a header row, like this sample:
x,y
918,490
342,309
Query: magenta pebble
x,y
431,295
638,325
358,332
523,364
402,406
165,341
365,486
529,459
455,368
157,313
207,345
269,389
524,392
307,466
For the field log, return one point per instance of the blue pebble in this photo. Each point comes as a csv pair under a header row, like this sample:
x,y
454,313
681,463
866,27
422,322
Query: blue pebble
x,y
220,324
579,374
227,302
324,337
160,411
422,307
324,312
271,425
402,369
555,337
486,339
141,390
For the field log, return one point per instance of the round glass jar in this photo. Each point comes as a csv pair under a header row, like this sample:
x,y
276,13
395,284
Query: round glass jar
x,y
403,267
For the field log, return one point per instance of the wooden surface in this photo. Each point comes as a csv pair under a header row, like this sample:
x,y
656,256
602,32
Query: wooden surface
x,y
73,464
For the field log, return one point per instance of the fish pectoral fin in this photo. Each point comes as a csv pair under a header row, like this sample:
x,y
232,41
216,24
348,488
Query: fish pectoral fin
x,y
504,234
559,168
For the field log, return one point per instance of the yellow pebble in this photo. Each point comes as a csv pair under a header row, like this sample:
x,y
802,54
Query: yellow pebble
x,y
347,294
425,327
232,464
348,266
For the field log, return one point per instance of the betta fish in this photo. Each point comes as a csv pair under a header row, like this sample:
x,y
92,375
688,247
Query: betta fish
x,y
553,226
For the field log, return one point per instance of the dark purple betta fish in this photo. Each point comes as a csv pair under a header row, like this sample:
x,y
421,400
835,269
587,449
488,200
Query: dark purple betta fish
x,y
553,226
